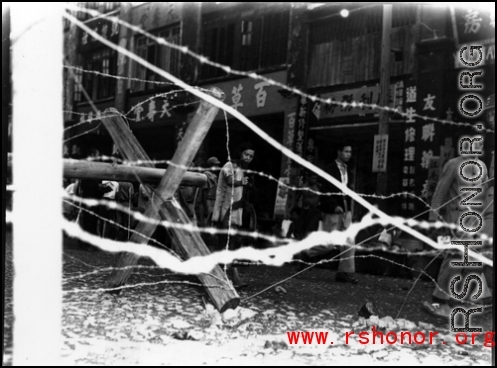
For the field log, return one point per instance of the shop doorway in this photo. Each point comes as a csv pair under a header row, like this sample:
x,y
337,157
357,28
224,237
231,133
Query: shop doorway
x,y
361,138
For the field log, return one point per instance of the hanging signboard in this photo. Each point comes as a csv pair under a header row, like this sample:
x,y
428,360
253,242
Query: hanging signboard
x,y
281,197
380,153
364,97
473,25
252,96
106,28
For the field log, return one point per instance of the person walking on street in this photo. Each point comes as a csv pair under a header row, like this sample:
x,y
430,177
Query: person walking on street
x,y
230,185
337,213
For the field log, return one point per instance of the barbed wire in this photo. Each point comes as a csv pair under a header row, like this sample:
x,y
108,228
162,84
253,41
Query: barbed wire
x,y
201,169
204,60
98,117
111,222
368,105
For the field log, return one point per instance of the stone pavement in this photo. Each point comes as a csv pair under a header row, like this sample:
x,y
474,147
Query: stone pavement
x,y
166,319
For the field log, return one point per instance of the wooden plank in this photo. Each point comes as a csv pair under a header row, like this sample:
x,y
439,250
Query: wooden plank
x,y
219,287
81,169
190,240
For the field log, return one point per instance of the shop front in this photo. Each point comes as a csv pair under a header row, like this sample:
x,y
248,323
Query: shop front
x,y
332,124
265,105
86,131
157,120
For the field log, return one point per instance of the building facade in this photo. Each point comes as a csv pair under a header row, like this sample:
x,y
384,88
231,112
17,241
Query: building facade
x,y
344,64
308,46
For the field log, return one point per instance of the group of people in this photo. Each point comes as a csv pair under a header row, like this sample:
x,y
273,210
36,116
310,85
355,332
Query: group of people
x,y
222,202
101,220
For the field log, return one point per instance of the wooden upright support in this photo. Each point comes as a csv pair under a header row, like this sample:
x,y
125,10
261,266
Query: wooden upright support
x,y
164,206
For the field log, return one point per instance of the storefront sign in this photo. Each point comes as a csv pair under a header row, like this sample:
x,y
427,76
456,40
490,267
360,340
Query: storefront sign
x,y
410,135
289,140
106,28
365,95
301,127
473,25
380,152
159,109
252,96
87,119
433,175
281,197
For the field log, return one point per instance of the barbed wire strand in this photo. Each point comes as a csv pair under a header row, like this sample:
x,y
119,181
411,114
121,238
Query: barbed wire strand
x,y
252,75
255,128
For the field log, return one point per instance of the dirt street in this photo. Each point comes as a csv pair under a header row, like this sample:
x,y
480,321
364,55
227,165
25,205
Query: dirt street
x,y
162,319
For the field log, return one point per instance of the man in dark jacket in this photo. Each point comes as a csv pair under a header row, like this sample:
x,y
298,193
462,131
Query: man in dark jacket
x,y
337,212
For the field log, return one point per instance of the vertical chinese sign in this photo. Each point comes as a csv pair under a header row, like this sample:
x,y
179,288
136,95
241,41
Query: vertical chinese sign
x,y
380,152
422,139
409,168
429,105
301,128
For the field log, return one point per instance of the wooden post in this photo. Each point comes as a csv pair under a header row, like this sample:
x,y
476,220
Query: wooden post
x,y
381,185
164,206
82,169
103,171
37,44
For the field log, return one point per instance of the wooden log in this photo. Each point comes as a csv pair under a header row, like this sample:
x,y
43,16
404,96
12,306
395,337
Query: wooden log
x,y
190,243
80,169
221,291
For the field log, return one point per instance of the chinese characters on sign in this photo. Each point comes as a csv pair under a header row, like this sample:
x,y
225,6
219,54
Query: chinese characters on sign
x,y
151,110
380,153
106,28
281,197
301,127
237,96
253,97
421,138
474,25
431,182
410,130
289,141
364,99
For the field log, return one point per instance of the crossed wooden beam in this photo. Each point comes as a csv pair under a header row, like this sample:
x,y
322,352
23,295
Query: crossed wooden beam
x,y
163,205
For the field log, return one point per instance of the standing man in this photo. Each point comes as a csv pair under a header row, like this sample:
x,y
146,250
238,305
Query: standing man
x,y
447,201
230,185
337,213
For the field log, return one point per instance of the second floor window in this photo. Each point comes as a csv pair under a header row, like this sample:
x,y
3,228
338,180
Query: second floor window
x,y
164,57
100,86
218,47
253,41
